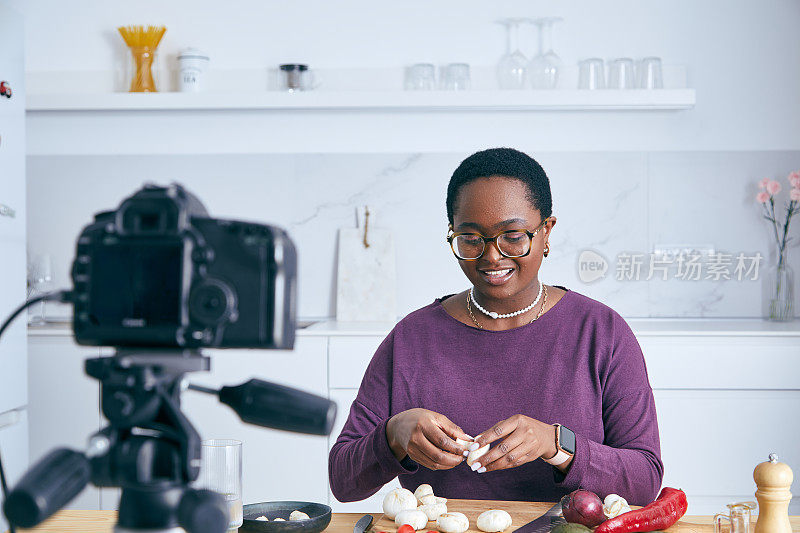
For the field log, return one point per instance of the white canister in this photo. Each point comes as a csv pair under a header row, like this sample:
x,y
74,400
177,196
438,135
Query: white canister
x,y
193,65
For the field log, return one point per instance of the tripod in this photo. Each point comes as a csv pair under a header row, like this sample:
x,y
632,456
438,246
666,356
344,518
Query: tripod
x,y
150,449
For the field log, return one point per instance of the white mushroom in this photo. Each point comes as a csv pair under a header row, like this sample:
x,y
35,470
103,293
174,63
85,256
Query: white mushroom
x,y
423,490
494,521
465,443
298,515
278,520
453,522
430,499
433,510
413,517
263,518
477,454
398,500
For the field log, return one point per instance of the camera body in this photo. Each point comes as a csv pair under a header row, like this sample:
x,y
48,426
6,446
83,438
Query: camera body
x,y
160,272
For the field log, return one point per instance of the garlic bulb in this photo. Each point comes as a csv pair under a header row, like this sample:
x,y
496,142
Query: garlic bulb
x,y
278,520
398,500
423,490
452,522
263,518
494,521
477,454
615,505
433,510
298,515
430,499
413,517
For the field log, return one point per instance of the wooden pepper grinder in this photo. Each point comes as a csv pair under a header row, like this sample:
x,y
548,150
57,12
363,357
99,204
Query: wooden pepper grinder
x,y
773,480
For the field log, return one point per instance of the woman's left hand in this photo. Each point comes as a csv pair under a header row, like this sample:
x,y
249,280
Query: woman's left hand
x,y
524,439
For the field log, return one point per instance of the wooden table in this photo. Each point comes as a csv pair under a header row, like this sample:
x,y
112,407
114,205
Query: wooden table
x,y
103,522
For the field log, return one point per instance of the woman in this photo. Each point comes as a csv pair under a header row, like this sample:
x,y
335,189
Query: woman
x,y
553,380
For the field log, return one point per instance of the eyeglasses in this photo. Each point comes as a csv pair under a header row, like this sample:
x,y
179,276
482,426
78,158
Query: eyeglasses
x,y
510,243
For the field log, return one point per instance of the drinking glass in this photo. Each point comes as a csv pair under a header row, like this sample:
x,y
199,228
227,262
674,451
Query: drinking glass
x,y
511,68
621,74
40,281
456,77
221,471
544,67
591,74
421,77
650,73
738,516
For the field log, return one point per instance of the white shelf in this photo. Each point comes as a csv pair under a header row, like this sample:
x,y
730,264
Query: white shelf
x,y
523,100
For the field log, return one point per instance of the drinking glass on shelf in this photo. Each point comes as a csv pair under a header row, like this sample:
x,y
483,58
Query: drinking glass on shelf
x,y
543,69
456,77
650,73
221,471
40,281
591,74
621,74
511,68
421,77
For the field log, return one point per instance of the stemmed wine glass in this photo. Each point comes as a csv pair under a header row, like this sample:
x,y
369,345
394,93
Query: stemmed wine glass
x,y
511,67
544,67
40,281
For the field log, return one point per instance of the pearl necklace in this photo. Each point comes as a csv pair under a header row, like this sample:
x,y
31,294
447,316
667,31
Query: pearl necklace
x,y
541,310
495,315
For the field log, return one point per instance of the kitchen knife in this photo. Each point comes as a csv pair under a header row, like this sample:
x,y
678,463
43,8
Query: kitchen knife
x,y
363,524
545,523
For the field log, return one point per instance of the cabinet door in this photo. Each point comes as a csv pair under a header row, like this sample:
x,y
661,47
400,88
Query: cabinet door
x,y
738,429
64,405
13,345
277,465
374,504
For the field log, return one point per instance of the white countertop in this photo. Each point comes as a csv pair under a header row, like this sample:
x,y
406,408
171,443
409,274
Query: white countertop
x,y
640,326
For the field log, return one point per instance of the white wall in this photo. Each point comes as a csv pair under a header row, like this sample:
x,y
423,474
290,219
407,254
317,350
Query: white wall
x,y
743,58
608,202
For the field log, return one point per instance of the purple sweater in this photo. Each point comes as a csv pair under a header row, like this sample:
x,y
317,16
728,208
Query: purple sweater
x,y
579,365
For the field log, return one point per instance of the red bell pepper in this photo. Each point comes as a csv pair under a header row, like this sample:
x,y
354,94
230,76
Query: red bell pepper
x,y
667,509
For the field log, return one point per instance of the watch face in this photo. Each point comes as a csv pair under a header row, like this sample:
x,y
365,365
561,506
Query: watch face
x,y
566,439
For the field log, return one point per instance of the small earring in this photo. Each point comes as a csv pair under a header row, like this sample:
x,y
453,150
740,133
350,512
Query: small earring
x,y
546,249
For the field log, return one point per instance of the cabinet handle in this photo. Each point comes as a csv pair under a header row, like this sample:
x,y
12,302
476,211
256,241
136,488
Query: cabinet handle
x,y
6,211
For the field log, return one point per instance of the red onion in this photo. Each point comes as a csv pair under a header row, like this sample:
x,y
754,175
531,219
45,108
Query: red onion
x,y
583,507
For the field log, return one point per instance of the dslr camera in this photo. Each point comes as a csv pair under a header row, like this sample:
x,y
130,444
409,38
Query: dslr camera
x,y
159,272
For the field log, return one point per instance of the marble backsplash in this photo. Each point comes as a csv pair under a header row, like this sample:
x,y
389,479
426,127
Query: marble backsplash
x,y
610,203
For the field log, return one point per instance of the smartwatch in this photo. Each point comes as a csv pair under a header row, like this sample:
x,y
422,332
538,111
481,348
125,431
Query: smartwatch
x,y
565,445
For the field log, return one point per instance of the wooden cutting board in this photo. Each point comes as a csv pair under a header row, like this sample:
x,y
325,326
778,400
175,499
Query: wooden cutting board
x,y
521,513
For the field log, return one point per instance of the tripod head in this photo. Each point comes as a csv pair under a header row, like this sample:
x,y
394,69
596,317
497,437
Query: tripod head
x,y
150,449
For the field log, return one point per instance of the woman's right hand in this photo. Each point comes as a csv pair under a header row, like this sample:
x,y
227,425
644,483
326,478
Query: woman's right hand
x,y
426,437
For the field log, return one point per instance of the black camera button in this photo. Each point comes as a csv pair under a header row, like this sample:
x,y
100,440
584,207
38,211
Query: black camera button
x,y
212,302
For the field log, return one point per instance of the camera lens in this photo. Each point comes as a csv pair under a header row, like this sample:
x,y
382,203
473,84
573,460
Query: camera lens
x,y
211,302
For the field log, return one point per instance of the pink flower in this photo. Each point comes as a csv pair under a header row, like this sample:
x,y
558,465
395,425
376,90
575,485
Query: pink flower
x,y
794,178
762,197
763,183
794,195
773,187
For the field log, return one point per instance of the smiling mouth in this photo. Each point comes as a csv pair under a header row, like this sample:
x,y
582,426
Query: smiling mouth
x,y
497,277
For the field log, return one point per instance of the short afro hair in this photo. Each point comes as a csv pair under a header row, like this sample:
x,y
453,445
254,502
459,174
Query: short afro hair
x,y
504,162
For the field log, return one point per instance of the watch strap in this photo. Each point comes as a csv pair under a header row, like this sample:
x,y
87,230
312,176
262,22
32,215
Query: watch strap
x,y
559,458
562,455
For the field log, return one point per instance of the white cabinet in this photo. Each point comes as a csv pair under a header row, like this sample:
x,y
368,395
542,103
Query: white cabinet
x,y
349,357
722,405
64,408
277,465
344,398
